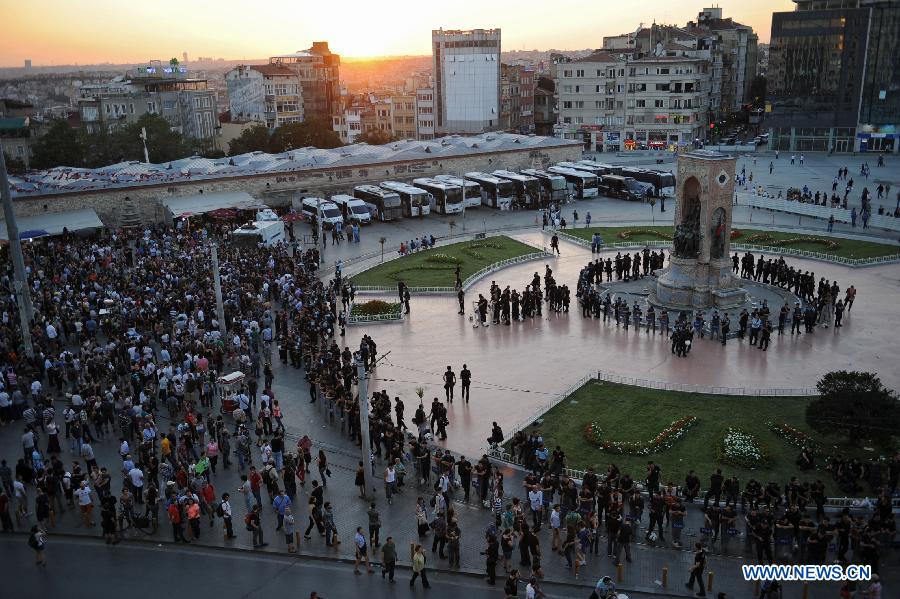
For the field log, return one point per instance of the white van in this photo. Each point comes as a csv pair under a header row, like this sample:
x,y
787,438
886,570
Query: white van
x,y
353,209
266,232
330,213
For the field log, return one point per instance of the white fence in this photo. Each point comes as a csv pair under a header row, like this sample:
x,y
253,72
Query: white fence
x,y
876,221
374,318
745,247
704,389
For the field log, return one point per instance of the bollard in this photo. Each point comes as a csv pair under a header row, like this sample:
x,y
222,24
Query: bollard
x,y
620,572
805,590
665,576
709,581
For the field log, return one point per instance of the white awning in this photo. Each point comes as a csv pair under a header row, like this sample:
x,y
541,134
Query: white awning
x,y
54,222
207,202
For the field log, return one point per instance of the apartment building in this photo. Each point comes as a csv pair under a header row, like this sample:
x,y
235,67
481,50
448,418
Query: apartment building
x,y
517,88
319,72
269,94
403,116
187,103
466,67
613,102
425,113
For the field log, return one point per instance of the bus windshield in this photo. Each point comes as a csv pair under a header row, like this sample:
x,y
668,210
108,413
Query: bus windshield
x,y
504,189
391,201
633,185
331,213
359,210
453,196
472,191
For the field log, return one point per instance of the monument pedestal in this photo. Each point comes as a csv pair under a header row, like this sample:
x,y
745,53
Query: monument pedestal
x,y
689,284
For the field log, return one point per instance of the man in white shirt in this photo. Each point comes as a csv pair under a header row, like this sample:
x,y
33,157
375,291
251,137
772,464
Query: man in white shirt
x,y
136,476
85,503
536,501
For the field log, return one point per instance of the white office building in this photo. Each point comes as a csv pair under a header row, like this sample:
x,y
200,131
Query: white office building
x,y
466,66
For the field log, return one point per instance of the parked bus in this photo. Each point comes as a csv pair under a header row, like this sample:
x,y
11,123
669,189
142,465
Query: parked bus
x,y
581,184
353,209
445,198
624,188
527,188
383,204
598,168
471,191
495,192
662,182
415,201
554,185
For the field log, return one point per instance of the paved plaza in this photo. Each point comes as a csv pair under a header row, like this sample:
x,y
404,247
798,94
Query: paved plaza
x,y
517,371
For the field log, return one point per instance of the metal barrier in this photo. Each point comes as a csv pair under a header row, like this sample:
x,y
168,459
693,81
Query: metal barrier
x,y
375,289
704,389
876,221
474,278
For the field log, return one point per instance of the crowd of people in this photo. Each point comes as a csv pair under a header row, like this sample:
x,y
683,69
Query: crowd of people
x,y
508,305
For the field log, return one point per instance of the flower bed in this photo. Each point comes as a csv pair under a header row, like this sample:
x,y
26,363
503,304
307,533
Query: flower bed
x,y
739,448
442,259
792,435
735,233
375,308
626,235
766,239
664,440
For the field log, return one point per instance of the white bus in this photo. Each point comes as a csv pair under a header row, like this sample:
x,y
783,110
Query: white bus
x,y
471,190
554,185
495,192
446,198
581,184
527,188
598,168
383,204
415,201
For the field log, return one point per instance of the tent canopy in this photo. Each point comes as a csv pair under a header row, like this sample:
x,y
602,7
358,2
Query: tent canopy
x,y
53,223
202,203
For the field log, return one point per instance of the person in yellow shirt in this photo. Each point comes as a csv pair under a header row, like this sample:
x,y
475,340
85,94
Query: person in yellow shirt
x,y
166,448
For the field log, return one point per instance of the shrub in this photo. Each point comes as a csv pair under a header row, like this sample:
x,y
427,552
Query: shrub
x,y
593,434
375,307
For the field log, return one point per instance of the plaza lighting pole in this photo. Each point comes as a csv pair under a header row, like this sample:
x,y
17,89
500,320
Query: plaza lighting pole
x,y
217,283
365,451
20,282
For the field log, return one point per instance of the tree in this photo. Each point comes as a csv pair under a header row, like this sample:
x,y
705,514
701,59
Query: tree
x,y
251,139
855,405
374,137
163,144
758,91
314,132
15,165
61,145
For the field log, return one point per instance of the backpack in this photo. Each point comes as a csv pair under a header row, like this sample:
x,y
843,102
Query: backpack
x,y
219,511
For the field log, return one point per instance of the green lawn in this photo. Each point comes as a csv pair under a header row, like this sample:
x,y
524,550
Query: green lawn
x,y
627,413
436,267
847,248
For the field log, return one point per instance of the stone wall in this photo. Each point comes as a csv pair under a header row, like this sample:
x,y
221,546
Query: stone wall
x,y
278,189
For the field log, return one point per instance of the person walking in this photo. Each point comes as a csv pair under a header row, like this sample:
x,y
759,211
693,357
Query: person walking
x,y
449,383
696,570
36,542
491,555
465,377
418,565
254,526
362,551
388,558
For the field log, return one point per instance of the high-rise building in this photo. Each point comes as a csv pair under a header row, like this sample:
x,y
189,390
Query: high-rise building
x,y
833,78
425,113
266,93
27,63
466,67
319,73
403,116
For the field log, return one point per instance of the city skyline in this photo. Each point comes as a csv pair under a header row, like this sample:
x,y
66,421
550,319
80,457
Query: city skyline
x,y
75,34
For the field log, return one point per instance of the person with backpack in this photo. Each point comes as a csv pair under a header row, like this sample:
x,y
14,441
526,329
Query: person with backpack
x,y
36,542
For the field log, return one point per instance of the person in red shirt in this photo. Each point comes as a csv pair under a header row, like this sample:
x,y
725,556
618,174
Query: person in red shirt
x,y
175,519
255,481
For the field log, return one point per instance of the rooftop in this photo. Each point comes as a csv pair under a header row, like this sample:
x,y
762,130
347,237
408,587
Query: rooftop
x,y
270,70
136,174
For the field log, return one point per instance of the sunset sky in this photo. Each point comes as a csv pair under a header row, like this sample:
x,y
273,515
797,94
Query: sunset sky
x,y
93,31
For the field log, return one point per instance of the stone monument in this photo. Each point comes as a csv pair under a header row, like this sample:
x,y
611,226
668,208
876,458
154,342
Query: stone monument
x,y
699,273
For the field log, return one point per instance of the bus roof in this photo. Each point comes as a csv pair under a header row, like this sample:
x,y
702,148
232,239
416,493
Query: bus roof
x,y
513,176
401,187
562,170
541,174
454,180
434,183
483,177
374,189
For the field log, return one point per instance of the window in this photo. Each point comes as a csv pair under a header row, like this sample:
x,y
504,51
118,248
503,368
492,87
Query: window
x,y
131,108
196,102
662,87
621,72
620,87
567,120
409,106
664,71
601,73
151,107
567,104
657,103
597,89
642,103
577,89
632,71
579,104
579,73
567,89
599,104
579,119
168,104
426,110
620,104
567,73
611,73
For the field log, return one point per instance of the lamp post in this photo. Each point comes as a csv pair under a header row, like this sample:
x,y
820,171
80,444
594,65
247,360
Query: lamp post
x,y
20,282
217,285
366,449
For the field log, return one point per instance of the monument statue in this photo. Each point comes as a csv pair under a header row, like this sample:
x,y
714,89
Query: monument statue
x,y
699,272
